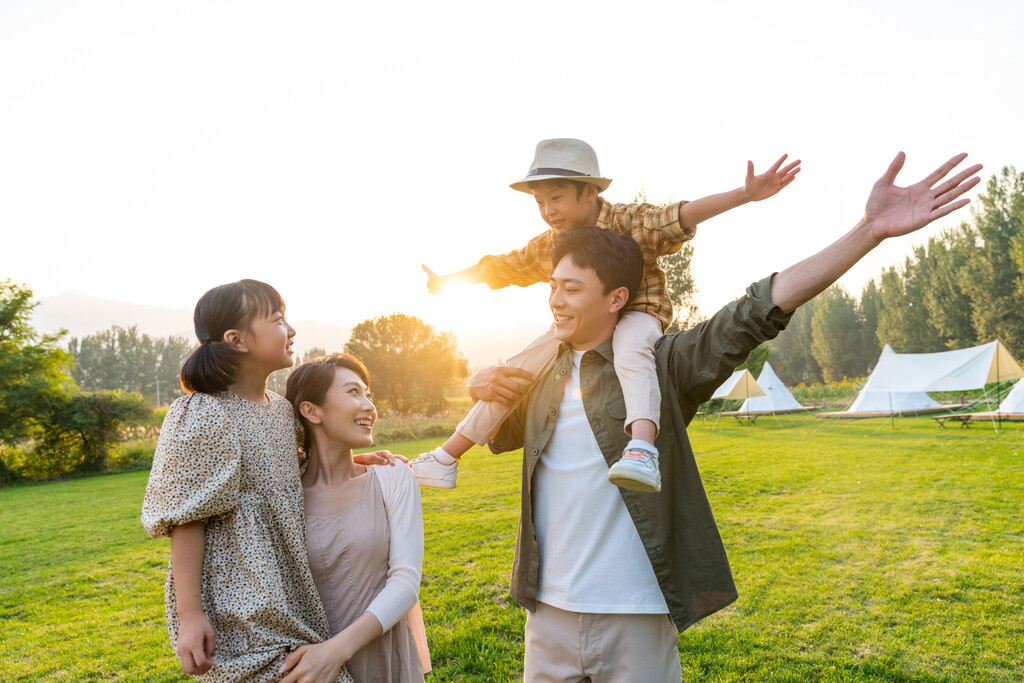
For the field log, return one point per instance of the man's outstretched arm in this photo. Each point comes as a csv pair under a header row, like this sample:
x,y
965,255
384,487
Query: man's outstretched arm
x,y
891,211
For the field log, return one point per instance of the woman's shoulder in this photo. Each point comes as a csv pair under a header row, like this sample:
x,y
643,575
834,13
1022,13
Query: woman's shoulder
x,y
396,478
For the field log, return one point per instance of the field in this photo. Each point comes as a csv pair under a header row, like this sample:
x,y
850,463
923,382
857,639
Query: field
x,y
862,552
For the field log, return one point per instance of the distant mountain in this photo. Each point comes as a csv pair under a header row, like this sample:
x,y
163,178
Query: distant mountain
x,y
83,314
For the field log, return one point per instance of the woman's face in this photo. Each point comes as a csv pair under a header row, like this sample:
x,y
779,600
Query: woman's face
x,y
348,414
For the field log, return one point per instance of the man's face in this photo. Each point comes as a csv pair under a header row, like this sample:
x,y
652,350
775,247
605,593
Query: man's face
x,y
584,315
562,207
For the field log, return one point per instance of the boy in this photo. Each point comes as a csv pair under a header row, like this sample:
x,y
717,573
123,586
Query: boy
x,y
566,183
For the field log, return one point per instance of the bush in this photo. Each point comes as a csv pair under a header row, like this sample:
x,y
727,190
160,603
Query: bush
x,y
132,455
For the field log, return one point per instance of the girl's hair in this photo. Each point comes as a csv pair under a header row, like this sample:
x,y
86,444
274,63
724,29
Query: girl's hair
x,y
212,367
311,380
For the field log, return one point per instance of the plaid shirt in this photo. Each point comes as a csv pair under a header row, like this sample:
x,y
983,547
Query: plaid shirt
x,y
656,229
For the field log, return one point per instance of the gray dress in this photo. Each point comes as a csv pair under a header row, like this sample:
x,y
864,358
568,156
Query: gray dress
x,y
348,555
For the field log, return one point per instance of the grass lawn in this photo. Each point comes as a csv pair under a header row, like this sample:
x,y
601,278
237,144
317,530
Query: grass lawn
x,y
861,553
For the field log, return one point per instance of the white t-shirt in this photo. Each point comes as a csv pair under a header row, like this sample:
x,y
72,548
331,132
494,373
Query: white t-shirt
x,y
591,556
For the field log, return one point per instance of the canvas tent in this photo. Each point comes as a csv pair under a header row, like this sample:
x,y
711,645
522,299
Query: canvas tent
x,y
776,399
740,385
899,382
1014,401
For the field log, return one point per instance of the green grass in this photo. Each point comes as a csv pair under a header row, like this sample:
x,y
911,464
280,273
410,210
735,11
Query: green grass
x,y
861,553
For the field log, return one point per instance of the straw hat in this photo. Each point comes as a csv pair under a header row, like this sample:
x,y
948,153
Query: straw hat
x,y
566,159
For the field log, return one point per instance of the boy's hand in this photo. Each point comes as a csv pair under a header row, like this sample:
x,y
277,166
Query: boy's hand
x,y
435,283
758,187
500,384
195,644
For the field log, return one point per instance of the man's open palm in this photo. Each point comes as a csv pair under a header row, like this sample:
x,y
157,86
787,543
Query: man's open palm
x,y
894,211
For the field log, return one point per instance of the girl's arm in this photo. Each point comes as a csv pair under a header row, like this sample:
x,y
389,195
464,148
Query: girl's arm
x,y
195,635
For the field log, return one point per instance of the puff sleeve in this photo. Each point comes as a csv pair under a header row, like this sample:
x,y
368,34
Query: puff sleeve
x,y
196,472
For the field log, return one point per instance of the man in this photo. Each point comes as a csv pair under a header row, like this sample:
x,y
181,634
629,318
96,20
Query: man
x,y
599,567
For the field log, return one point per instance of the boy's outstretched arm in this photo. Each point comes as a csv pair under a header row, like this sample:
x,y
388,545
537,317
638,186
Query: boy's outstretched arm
x,y
755,188
471,276
891,211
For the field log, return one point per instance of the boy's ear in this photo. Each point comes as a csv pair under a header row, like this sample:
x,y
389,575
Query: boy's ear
x,y
311,412
590,192
619,299
234,337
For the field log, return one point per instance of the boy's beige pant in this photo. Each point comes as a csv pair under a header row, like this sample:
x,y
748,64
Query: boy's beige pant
x,y
566,646
633,346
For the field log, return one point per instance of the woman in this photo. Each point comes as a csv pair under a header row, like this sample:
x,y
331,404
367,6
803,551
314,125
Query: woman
x,y
364,534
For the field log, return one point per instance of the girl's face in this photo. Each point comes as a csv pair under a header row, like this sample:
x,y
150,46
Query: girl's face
x,y
269,341
348,414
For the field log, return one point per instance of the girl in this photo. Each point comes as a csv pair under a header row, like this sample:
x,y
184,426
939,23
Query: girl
x,y
225,487
364,534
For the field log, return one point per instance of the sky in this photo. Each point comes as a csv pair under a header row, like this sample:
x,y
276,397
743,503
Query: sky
x,y
152,150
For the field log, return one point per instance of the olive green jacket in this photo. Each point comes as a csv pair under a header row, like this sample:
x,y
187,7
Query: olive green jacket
x,y
676,525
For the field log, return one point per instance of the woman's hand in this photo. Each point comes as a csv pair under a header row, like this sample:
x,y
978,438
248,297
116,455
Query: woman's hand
x,y
313,664
195,643
379,458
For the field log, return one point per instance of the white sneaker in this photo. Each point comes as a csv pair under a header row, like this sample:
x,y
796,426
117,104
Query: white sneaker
x,y
432,474
637,470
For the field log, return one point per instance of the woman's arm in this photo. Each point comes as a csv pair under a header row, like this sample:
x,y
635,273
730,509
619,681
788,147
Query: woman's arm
x,y
195,635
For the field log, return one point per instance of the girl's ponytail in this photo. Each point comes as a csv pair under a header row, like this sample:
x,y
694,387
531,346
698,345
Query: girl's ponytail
x,y
210,369
213,365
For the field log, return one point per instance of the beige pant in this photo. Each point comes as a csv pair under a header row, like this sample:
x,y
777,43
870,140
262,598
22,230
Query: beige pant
x,y
633,346
566,647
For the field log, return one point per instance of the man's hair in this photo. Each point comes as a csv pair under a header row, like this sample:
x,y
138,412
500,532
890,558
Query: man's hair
x,y
617,260
562,182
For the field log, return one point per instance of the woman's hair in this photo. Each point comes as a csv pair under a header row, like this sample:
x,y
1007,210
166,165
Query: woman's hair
x,y
311,380
212,367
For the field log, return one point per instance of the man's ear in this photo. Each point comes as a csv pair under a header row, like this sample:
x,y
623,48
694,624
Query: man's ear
x,y
311,412
619,299
234,337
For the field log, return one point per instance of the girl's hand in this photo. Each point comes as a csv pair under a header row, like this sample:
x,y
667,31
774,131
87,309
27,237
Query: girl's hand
x,y
195,644
379,458
312,664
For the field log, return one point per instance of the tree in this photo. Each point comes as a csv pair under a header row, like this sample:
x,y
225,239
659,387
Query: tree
x,y
994,274
791,353
34,379
95,418
836,335
409,362
682,290
867,310
903,320
121,358
943,271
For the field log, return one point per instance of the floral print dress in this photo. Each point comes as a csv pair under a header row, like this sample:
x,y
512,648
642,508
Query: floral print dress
x,y
234,465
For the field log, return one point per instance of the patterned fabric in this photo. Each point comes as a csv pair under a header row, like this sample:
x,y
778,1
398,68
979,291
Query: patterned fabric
x,y
655,228
233,465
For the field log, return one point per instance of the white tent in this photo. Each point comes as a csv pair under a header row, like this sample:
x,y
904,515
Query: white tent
x,y
740,385
875,398
776,399
1014,401
958,370
899,381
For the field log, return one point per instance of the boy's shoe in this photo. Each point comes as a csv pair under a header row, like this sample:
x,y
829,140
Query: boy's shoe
x,y
637,470
431,473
